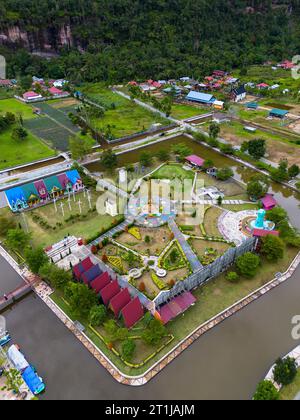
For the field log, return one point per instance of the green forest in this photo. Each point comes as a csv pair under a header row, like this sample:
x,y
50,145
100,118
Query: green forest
x,y
116,40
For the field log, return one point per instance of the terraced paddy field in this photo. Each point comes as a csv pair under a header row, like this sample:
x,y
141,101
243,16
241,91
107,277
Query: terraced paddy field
x,y
54,126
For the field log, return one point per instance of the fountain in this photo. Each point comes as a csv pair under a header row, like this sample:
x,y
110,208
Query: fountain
x,y
261,223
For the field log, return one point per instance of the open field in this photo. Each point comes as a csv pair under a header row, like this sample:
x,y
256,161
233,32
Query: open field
x,y
122,117
278,147
211,218
17,107
183,111
55,127
19,152
173,171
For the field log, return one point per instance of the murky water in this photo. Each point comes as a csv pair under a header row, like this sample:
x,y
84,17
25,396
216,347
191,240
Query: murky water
x,y
226,363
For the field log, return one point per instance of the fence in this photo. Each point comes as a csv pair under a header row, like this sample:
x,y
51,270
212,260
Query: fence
x,y
143,134
207,273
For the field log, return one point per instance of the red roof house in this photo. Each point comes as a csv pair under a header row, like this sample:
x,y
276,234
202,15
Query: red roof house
x,y
100,282
29,96
5,83
83,266
132,312
56,92
269,202
262,86
195,160
109,292
119,301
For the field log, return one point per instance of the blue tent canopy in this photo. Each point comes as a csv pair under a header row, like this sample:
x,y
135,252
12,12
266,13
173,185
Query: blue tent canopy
x,y
33,382
73,176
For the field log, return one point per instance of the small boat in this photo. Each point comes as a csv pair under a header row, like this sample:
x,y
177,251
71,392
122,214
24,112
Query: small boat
x,y
5,339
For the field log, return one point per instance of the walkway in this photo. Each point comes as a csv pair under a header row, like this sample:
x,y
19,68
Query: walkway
x,y
120,228
191,256
112,188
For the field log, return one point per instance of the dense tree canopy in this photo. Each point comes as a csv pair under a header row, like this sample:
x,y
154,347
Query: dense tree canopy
x,y
125,39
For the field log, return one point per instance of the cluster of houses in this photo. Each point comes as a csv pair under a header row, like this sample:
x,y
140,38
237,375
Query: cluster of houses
x,y
42,90
190,90
43,191
118,300
7,83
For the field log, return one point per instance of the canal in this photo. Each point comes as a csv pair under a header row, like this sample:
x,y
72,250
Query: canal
x,y
226,363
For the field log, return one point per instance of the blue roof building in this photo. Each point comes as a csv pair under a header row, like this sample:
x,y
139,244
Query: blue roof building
x,y
278,113
73,176
16,199
202,98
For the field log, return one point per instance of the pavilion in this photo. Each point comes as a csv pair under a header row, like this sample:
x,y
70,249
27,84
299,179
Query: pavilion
x,y
268,202
195,161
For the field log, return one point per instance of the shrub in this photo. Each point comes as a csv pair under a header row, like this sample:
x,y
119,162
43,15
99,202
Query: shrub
x,y
154,332
94,249
97,315
266,391
159,283
248,264
272,248
128,349
232,276
285,371
142,287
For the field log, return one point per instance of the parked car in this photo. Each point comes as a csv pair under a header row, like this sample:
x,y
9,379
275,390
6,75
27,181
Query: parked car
x,y
5,339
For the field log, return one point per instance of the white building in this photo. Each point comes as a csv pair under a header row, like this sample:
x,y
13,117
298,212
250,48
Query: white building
x,y
111,207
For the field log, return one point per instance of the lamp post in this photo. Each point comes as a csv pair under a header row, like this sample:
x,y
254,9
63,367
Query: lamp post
x,y
62,209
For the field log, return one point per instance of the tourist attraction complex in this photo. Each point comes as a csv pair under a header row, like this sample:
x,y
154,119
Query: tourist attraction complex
x,y
144,214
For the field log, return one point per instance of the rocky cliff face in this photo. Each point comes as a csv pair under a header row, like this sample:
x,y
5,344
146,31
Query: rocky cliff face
x,y
46,39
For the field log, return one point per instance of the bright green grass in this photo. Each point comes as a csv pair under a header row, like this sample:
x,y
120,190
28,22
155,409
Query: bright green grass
x,y
173,171
14,153
16,107
127,118
182,111
288,393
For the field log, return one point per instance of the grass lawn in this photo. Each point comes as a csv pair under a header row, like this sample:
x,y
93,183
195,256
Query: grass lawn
x,y
288,393
211,218
16,107
14,152
127,117
173,171
183,111
89,224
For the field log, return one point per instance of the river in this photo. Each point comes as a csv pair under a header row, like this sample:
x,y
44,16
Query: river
x,y
226,363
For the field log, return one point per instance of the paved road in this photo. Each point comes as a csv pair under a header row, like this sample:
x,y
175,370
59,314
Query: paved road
x,y
191,256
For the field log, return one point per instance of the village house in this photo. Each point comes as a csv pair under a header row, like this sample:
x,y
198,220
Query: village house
x,y
5,83
32,96
57,93
202,98
239,94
